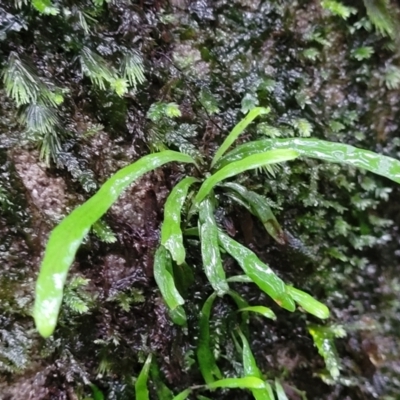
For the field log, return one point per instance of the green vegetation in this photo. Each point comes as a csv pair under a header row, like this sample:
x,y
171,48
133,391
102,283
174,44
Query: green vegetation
x,y
215,273
66,238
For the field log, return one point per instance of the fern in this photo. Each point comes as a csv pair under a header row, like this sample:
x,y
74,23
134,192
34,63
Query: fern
x,y
21,82
45,7
43,126
362,53
160,110
303,127
76,298
39,118
392,77
381,17
132,69
24,85
104,232
337,8
82,19
96,68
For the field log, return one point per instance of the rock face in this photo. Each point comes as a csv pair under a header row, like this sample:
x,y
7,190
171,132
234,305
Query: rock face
x,y
47,194
323,71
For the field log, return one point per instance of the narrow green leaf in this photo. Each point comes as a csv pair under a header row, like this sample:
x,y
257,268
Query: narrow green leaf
x,y
237,130
252,162
171,233
322,150
183,395
249,382
68,235
178,316
241,304
211,256
260,273
279,391
323,338
239,278
259,208
250,368
264,311
164,276
97,393
141,390
205,356
163,392
308,302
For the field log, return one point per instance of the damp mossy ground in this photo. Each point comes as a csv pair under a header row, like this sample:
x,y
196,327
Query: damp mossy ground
x,y
320,74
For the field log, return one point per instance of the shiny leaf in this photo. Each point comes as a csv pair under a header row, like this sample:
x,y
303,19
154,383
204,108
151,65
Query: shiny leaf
x,y
259,208
260,273
66,238
205,356
252,162
237,130
250,368
279,391
171,233
183,395
308,303
211,256
141,391
322,150
164,276
264,311
249,382
324,341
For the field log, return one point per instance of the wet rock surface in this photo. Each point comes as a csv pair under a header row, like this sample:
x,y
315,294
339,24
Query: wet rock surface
x,y
213,59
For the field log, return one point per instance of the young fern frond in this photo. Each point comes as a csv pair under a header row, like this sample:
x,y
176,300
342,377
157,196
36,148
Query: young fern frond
x,y
43,126
20,3
39,118
132,69
96,68
82,20
381,16
21,82
24,85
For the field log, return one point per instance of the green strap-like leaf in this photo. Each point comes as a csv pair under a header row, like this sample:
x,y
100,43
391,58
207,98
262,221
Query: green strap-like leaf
x,y
183,395
264,311
279,391
252,162
141,390
308,302
250,368
162,390
171,233
237,130
260,273
249,382
324,340
164,276
211,256
205,356
322,150
260,209
68,235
